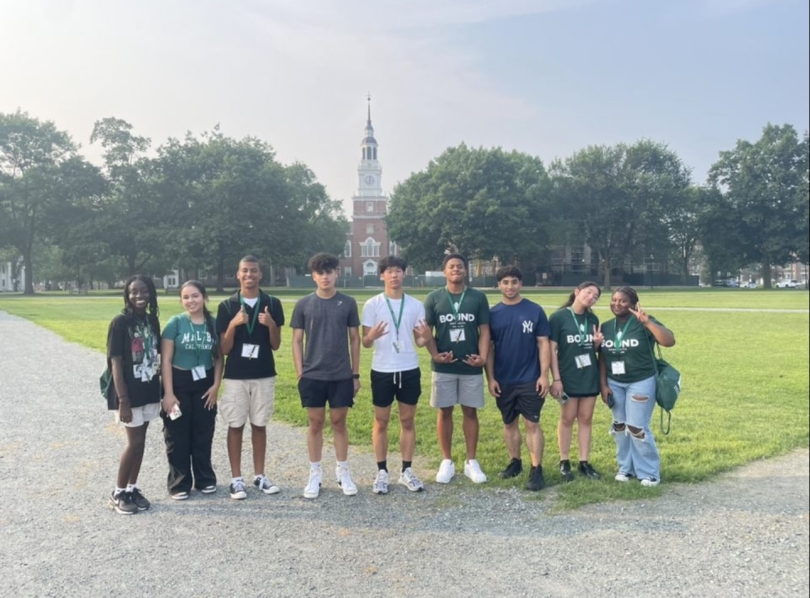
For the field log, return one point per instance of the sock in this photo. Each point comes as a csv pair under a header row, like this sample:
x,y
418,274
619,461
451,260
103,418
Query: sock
x,y
315,464
257,476
119,491
130,487
383,465
237,479
565,462
343,464
517,460
406,465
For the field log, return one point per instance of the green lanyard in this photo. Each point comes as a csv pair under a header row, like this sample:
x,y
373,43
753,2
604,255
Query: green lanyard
x,y
618,336
460,301
583,337
197,344
396,320
252,324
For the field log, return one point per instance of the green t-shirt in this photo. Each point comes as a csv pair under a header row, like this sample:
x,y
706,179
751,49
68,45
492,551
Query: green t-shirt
x,y
192,342
636,348
457,326
576,353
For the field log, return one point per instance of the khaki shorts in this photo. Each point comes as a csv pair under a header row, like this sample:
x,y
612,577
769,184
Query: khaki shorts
x,y
141,415
248,399
448,390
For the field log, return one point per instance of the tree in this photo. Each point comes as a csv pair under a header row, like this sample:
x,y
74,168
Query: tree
x,y
35,158
621,197
485,203
766,185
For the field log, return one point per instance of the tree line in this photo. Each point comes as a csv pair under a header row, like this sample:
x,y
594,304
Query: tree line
x,y
629,203
197,203
201,202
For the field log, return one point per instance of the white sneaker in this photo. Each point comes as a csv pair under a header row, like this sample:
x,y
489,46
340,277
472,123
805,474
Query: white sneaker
x,y
264,484
408,479
381,483
623,477
313,488
446,472
344,480
473,471
650,482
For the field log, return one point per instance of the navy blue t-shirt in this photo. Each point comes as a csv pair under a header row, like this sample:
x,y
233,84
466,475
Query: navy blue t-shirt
x,y
514,330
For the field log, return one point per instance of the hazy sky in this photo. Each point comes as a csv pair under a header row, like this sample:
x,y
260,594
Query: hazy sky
x,y
546,77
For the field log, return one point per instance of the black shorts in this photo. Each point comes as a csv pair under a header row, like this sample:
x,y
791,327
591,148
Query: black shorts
x,y
520,399
316,393
405,387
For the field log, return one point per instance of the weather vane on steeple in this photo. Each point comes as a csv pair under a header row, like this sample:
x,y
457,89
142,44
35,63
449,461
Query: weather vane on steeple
x,y
369,106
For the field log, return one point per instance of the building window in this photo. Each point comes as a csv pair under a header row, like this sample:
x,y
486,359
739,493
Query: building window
x,y
369,229
369,206
347,249
347,271
369,248
392,248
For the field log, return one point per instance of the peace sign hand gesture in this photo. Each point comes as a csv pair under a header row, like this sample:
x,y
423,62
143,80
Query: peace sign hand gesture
x,y
598,337
640,314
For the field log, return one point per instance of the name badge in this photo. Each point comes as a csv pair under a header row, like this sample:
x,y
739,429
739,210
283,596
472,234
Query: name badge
x,y
457,335
250,351
583,361
198,373
617,368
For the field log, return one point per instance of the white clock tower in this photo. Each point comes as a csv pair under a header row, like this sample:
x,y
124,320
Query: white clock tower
x,y
367,241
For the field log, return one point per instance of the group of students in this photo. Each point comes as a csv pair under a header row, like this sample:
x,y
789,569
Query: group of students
x,y
176,373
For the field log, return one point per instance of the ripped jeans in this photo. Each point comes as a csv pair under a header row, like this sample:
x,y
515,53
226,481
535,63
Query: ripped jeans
x,y
634,405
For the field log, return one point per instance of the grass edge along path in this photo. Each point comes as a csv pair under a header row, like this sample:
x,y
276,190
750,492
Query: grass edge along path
x,y
745,397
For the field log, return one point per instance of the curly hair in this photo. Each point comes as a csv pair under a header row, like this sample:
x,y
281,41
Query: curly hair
x,y
153,313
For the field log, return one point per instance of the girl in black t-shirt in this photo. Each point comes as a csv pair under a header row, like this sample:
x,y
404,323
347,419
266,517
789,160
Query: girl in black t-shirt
x,y
133,355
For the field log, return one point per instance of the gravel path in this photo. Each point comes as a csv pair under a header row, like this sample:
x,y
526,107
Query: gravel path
x,y
745,534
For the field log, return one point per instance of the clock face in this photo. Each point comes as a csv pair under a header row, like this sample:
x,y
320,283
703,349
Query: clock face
x,y
369,180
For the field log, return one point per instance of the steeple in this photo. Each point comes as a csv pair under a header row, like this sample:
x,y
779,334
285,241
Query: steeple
x,y
369,171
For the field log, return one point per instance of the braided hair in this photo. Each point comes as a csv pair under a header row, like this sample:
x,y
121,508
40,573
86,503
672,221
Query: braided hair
x,y
631,294
209,319
153,313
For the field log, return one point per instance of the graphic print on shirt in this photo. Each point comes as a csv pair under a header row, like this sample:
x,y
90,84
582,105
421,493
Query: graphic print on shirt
x,y
145,357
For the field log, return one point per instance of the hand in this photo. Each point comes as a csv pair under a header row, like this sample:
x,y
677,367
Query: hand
x,y
379,329
210,397
542,386
446,357
168,403
598,337
494,388
265,319
604,394
124,412
356,386
556,389
475,361
423,333
640,314
239,319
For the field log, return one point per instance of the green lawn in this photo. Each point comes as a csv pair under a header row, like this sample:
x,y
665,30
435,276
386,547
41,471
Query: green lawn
x,y
745,378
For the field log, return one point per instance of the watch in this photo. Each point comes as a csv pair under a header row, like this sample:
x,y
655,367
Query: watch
x,y
355,376
369,180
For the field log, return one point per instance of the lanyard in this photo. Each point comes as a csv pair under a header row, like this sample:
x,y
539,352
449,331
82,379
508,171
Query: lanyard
x,y
395,319
250,325
460,301
619,335
197,344
583,337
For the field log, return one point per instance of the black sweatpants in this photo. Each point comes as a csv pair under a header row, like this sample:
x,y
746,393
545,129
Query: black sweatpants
x,y
189,437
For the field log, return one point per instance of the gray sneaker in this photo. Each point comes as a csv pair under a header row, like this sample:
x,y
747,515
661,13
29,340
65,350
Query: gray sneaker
x,y
408,479
381,483
265,485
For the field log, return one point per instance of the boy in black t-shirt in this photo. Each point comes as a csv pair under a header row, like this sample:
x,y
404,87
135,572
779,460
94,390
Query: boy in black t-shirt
x,y
249,327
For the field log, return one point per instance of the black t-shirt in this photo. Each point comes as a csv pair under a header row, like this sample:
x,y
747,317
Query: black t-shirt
x,y
238,367
139,351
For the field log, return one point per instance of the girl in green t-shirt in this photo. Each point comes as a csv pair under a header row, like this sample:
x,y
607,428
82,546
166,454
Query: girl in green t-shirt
x,y
575,340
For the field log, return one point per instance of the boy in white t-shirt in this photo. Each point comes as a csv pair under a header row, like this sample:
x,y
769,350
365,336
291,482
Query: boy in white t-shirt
x,y
394,324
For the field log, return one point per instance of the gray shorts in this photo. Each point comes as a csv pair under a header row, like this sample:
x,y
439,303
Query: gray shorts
x,y
448,390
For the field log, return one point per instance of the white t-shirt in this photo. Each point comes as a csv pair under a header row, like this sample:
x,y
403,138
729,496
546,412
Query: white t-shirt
x,y
386,358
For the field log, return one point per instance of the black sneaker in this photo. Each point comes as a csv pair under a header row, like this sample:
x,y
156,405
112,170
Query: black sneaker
x,y
586,469
536,480
122,503
513,470
565,471
139,499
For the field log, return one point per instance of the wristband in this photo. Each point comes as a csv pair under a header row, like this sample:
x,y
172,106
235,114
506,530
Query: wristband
x,y
355,376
